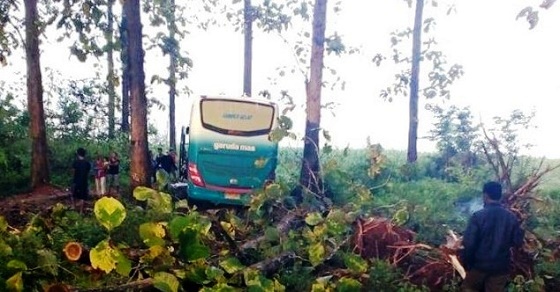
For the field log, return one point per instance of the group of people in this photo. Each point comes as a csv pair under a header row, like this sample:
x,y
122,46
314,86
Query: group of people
x,y
165,161
105,172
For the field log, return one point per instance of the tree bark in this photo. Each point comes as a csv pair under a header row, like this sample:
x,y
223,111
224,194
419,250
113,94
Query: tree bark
x,y
248,51
139,162
110,68
125,102
310,177
172,72
37,128
412,153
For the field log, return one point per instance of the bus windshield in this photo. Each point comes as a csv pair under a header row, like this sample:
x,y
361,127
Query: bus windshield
x,y
235,117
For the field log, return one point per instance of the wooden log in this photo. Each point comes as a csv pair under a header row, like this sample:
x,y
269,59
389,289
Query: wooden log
x,y
75,252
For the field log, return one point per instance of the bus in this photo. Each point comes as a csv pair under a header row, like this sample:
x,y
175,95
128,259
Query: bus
x,y
229,151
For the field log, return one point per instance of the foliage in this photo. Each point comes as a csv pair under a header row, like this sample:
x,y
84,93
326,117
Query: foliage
x,y
14,156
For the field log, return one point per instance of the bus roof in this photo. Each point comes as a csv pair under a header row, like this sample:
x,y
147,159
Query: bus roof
x,y
239,98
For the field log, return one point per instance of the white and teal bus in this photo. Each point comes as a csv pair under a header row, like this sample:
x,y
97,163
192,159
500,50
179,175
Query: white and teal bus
x,y
229,151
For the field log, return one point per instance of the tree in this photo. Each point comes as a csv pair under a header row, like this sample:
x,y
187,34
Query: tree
x,y
109,31
310,177
248,49
37,129
438,78
173,17
412,153
139,162
125,63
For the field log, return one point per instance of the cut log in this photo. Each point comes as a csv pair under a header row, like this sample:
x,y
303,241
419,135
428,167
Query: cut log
x,y
75,252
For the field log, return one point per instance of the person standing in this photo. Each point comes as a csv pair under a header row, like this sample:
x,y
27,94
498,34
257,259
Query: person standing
x,y
490,235
113,173
100,176
81,169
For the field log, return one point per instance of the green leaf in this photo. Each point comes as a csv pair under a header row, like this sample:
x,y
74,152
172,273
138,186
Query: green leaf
x,y
143,193
355,263
316,253
48,261
177,225
190,247
15,282
152,233
348,285
271,234
109,212
5,249
214,273
102,257
313,219
3,224
166,282
16,265
231,265
124,265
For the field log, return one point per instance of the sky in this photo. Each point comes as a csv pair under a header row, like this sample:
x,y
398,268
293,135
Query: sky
x,y
506,65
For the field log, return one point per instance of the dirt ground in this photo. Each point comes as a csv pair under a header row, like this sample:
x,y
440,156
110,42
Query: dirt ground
x,y
18,208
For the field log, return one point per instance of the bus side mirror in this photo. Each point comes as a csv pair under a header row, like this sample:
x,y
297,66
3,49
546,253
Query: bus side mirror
x,y
187,130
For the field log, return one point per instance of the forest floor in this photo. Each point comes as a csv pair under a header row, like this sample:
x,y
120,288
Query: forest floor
x,y
17,208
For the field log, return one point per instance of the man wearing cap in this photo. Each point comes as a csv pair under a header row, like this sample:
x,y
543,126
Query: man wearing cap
x,y
487,241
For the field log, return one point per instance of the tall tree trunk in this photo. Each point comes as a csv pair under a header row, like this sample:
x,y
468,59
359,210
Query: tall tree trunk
x,y
309,176
139,162
125,60
412,153
110,67
172,70
37,128
248,52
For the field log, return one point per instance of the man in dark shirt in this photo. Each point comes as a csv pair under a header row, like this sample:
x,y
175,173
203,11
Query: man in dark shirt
x,y
80,189
487,241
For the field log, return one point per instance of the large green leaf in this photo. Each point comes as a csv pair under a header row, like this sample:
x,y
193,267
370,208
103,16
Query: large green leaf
x,y
124,265
316,253
16,265
48,261
102,257
190,246
15,282
152,233
109,212
143,193
157,201
231,265
313,219
177,225
166,282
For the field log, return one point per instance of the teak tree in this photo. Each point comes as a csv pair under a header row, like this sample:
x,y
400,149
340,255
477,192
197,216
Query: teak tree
x,y
438,78
139,161
37,128
310,177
